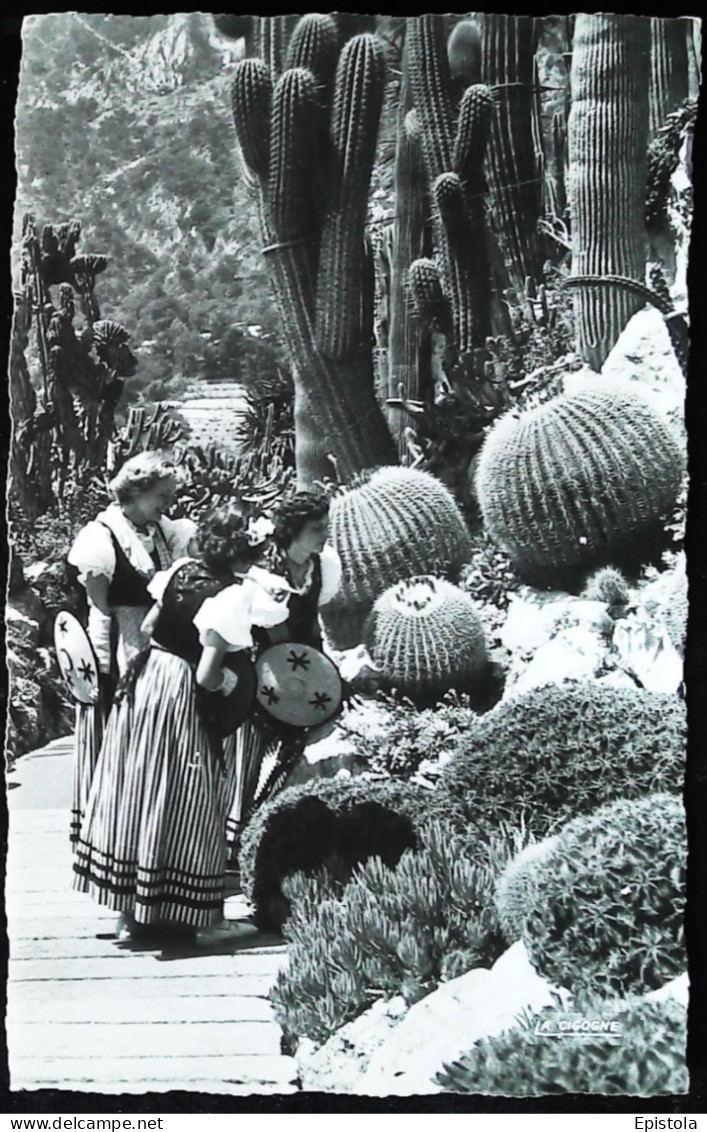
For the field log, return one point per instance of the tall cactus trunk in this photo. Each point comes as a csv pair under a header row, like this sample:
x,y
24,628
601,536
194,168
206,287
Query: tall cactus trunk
x,y
669,72
409,345
308,138
608,139
512,165
553,107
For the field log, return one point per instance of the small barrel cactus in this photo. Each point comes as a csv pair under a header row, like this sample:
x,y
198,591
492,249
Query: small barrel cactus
x,y
515,888
396,523
582,481
425,637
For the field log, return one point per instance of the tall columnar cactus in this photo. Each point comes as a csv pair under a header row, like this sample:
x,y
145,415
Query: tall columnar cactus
x,y
408,372
308,138
607,139
425,637
669,70
584,480
512,162
453,137
395,524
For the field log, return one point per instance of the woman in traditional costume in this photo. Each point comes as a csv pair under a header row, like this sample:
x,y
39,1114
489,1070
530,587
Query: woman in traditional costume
x,y
152,844
260,753
116,555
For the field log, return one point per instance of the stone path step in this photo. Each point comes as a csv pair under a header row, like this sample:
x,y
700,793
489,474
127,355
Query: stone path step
x,y
89,1013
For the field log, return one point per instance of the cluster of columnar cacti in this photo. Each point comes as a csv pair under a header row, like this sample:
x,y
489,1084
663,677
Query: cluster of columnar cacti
x,y
607,139
578,482
425,637
68,422
451,293
395,524
308,137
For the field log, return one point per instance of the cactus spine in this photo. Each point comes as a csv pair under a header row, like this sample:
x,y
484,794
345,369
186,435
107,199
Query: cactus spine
x,y
312,207
607,137
507,63
579,482
425,637
396,524
454,142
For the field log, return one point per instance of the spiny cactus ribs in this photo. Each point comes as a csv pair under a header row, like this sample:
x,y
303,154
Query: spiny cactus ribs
x,y
607,140
425,637
395,524
308,137
582,481
453,135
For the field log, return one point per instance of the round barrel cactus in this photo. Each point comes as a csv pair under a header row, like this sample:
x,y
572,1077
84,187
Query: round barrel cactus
x,y
426,637
395,523
584,480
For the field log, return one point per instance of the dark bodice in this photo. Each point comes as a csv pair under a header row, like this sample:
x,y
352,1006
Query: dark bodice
x,y
186,591
128,586
303,620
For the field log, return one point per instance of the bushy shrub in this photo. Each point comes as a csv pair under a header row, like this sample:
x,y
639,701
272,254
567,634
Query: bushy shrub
x,y
409,737
562,750
330,824
648,1060
390,931
607,902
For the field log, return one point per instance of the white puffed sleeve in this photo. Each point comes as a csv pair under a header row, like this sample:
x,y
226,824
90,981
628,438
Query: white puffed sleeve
x,y
93,552
331,573
159,582
178,534
268,603
228,614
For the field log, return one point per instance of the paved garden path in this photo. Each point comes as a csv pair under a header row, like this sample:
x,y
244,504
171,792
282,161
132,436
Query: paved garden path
x,y
86,1012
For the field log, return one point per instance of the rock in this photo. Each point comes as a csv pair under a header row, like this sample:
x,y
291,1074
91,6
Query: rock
x,y
617,679
530,625
644,649
643,357
325,758
678,988
574,654
337,1066
447,1023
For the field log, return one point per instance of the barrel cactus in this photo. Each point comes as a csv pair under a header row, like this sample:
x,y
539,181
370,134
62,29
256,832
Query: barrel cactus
x,y
425,637
582,481
393,524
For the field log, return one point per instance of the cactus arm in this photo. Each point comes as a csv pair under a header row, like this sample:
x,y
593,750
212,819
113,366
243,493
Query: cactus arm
x,y
251,105
432,91
607,138
358,101
669,71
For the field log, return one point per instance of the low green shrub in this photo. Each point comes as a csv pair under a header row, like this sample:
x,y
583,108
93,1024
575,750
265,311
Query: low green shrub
x,y
648,1060
606,907
389,931
409,736
330,824
562,750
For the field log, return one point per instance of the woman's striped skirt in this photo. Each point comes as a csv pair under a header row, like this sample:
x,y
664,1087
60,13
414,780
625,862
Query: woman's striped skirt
x,y
90,725
152,841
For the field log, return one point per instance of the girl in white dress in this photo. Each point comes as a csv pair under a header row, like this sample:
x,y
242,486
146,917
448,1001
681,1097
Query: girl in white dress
x,y
116,556
152,845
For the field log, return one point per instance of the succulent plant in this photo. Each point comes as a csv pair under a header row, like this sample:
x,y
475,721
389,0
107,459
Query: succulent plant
x,y
607,905
425,637
607,143
581,481
391,525
516,886
669,73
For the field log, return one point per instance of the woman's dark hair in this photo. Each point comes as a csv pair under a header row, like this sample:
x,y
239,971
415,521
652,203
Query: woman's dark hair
x,y
223,535
292,514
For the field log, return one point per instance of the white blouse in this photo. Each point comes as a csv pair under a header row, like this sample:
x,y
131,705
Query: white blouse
x,y
331,569
93,552
260,599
